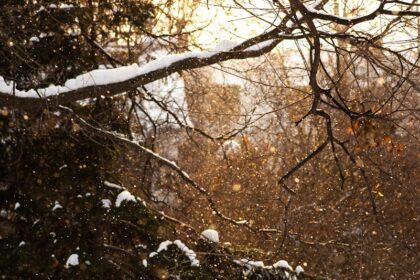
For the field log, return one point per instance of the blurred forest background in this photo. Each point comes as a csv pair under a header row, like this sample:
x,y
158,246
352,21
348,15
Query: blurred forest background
x,y
286,156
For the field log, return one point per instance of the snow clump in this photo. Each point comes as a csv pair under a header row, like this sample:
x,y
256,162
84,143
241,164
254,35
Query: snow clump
x,y
73,260
211,235
124,196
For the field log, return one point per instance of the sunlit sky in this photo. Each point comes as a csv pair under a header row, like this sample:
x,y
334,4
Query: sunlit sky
x,y
228,21
225,20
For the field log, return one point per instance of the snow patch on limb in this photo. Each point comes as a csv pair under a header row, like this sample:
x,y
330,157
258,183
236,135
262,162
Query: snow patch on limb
x,y
112,185
66,6
93,78
163,246
247,262
211,235
106,203
56,206
124,196
225,45
73,260
299,270
190,254
261,45
282,264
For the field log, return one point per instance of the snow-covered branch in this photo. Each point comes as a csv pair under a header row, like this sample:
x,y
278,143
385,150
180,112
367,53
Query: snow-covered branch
x,y
108,82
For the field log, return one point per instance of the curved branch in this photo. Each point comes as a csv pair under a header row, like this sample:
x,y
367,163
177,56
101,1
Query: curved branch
x,y
108,82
